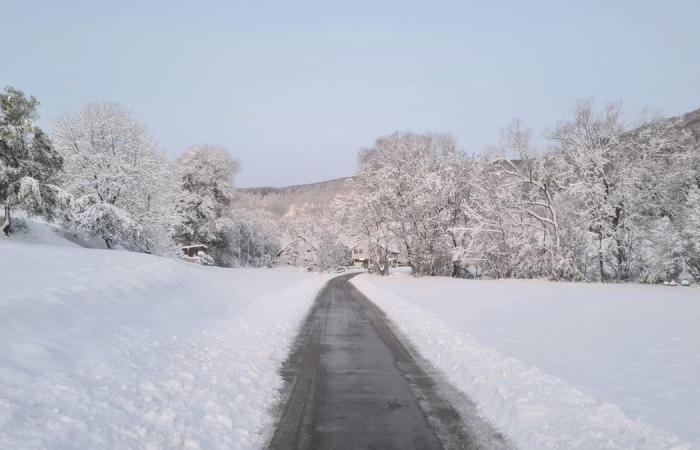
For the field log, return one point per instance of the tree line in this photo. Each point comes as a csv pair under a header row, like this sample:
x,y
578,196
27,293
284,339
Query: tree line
x,y
600,201
100,173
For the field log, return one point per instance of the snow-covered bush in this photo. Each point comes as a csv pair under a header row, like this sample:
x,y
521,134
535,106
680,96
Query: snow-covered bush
x,y
205,259
660,252
110,223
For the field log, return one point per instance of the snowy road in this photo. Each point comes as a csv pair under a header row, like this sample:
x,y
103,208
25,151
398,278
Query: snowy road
x,y
351,383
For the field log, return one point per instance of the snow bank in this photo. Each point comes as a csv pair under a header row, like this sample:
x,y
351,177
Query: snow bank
x,y
37,231
560,365
110,349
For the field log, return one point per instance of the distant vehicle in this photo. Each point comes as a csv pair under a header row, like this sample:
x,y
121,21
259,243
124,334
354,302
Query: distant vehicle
x,y
340,269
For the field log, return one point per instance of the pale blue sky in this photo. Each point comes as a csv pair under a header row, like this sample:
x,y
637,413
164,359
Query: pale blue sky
x,y
294,89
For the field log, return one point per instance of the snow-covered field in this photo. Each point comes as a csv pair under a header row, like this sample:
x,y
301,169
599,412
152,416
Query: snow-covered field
x,y
110,349
560,365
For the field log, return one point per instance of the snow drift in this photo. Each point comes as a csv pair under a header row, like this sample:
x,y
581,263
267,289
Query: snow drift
x,y
560,365
110,349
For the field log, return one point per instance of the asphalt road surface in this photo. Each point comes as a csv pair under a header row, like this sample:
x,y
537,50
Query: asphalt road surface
x,y
350,383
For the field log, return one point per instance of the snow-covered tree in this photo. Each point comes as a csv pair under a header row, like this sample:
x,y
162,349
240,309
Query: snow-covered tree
x,y
587,149
312,240
671,247
606,201
360,213
407,197
532,178
118,177
29,164
205,201
493,223
619,180
254,238
689,233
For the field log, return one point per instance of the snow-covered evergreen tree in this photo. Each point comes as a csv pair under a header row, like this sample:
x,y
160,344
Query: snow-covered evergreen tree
x,y
29,164
205,201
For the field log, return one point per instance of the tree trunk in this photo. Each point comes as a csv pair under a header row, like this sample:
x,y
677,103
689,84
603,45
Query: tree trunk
x,y
621,255
109,246
456,269
622,266
7,221
383,264
601,266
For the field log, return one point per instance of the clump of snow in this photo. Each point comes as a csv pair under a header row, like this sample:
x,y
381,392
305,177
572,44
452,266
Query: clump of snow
x,y
111,349
560,365
400,271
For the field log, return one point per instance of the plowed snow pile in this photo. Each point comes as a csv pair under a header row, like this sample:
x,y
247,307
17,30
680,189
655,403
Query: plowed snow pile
x,y
560,365
110,349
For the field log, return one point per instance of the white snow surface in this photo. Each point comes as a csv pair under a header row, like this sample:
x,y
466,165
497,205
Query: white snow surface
x,y
110,349
560,365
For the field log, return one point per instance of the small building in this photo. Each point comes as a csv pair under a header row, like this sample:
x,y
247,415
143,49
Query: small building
x,y
192,251
360,256
197,253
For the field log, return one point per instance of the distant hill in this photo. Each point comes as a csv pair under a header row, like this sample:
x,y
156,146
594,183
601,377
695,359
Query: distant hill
x,y
692,120
293,200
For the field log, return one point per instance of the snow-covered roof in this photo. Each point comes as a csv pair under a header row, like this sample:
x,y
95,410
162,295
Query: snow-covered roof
x,y
194,246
